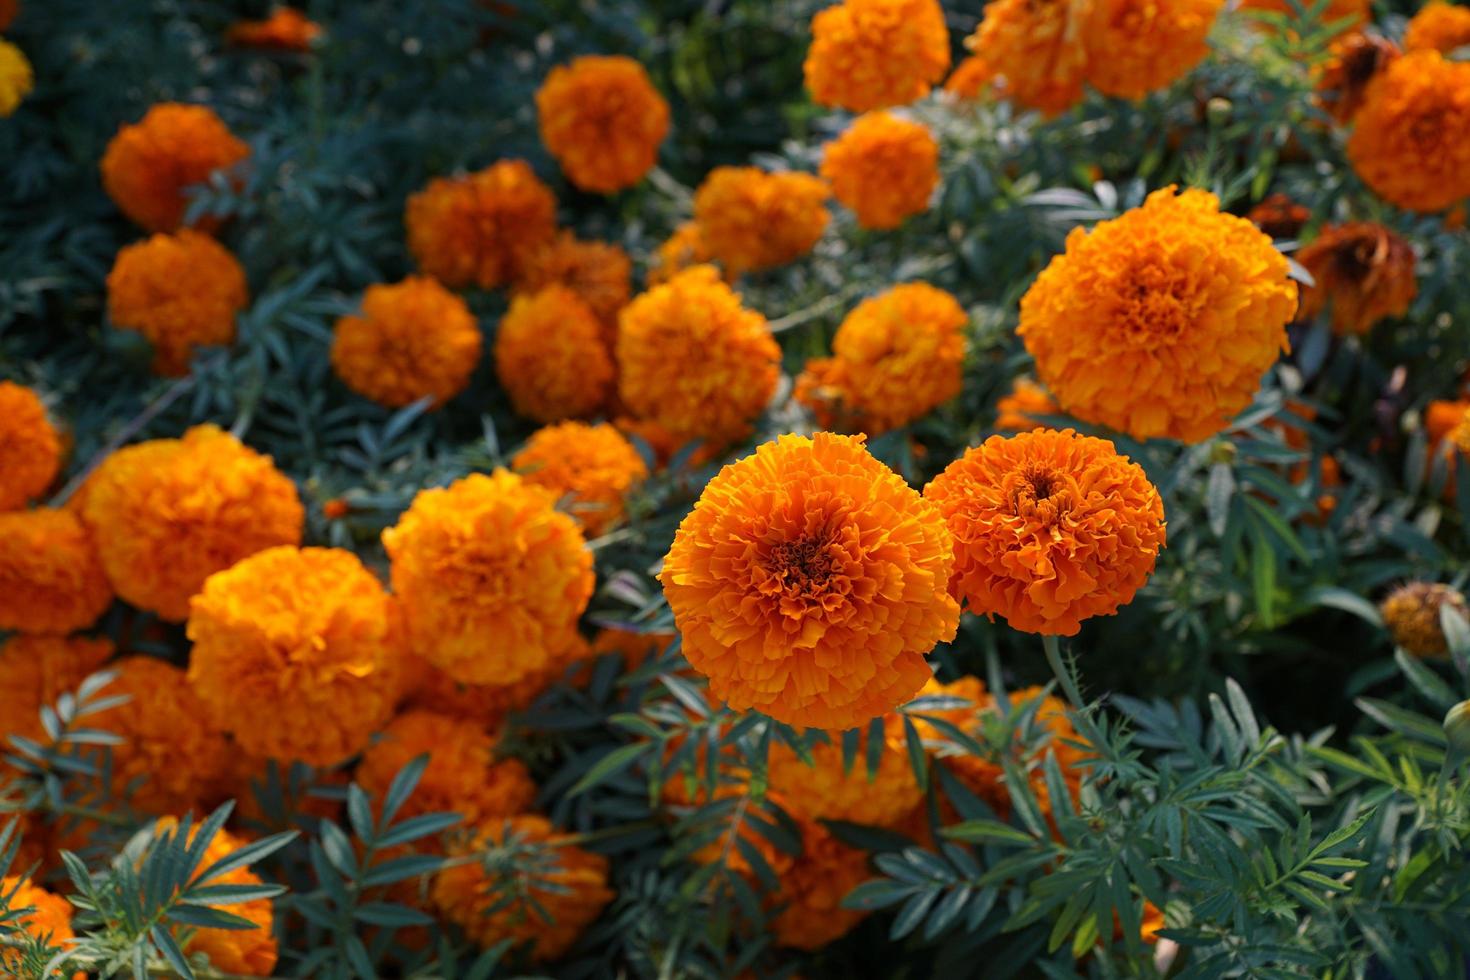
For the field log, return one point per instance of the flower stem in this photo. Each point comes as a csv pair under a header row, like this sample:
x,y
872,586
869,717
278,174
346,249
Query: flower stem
x,y
1053,648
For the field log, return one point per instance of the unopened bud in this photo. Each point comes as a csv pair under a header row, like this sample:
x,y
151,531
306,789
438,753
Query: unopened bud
x,y
1218,111
1457,728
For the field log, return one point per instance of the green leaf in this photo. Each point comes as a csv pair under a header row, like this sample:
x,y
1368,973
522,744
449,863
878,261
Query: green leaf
x,y
610,765
987,831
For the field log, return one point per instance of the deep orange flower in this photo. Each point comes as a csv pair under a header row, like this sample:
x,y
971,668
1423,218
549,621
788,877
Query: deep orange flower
x,y
752,220
808,583
1412,614
17,78
481,228
149,164
826,790
286,29
971,79
180,291
602,119
1364,273
1050,528
870,54
1160,322
1344,14
897,357
592,465
168,513
50,578
30,447
1280,217
1447,426
1016,412
37,669
551,356
600,273
305,637
414,339
884,168
492,579
50,919
571,892
1406,142
1034,51
695,361
1355,60
686,247
1438,26
1135,47
813,887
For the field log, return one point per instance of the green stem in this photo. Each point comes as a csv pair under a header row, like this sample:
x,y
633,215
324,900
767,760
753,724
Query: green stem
x,y
1053,648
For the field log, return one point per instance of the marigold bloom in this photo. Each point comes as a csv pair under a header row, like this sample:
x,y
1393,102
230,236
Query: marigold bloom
x,y
1160,322
808,583
1438,26
479,229
600,273
1279,216
30,447
50,578
884,168
305,637
1050,528
1408,138
1345,14
869,54
1135,47
752,220
695,361
1017,411
686,247
168,513
1034,51
1355,60
971,78
602,119
1364,273
1412,614
491,578
180,291
16,77
148,164
37,669
246,952
551,356
898,356
813,887
592,464
414,339
571,889
286,29
828,791
51,917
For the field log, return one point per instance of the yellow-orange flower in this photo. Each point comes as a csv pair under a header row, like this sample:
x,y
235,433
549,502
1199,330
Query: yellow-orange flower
x,y
414,339
1438,26
551,356
1344,14
1134,47
971,78
286,29
593,465
826,790
1160,322
1412,614
1364,272
1407,140
570,888
30,447
897,357
695,361
808,583
686,247
50,578
600,273
1354,60
869,54
180,291
602,119
50,918
1017,411
1034,51
306,637
148,164
16,77
491,578
37,669
1050,528
812,888
462,776
751,220
884,168
168,513
480,229
1279,216
245,952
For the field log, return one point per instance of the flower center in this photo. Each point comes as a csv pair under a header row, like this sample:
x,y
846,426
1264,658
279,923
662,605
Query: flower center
x,y
804,565
1155,304
1039,494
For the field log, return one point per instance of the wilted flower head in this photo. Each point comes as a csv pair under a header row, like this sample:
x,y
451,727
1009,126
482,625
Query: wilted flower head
x,y
751,220
808,583
593,466
603,120
1364,272
1355,60
1412,614
551,356
600,273
1160,322
1017,411
1050,528
50,578
884,168
1438,26
1279,216
35,670
870,54
16,77
286,29
1135,47
480,229
148,164
30,447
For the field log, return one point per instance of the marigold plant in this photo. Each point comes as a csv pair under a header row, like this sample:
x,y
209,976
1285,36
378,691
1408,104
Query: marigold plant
x,y
49,918
603,120
51,580
1342,14
286,29
683,249
30,446
551,356
1363,273
1354,61
884,168
36,670
752,220
1033,51
16,78
869,54
1279,216
1135,47
1018,411
149,164
1438,26
481,228
600,273
812,887
829,789
593,466
972,78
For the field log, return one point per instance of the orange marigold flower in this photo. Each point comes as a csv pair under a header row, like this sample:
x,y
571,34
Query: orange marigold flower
x,y
286,29
1160,322
808,583
1017,411
1355,60
1050,528
306,637
1438,26
686,247
694,360
869,54
1364,273
566,894
1343,14
30,447
594,465
551,356
1279,216
479,229
1135,47
602,119
49,919
246,952
1406,142
1412,614
414,339
16,78
37,669
600,273
898,356
813,887
463,776
826,790
148,164
752,220
884,168
180,291
50,578
1034,51
492,579
168,513
971,78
